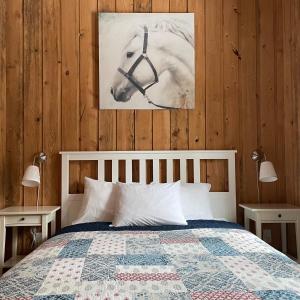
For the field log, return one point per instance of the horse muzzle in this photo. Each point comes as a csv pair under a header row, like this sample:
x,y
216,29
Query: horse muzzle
x,y
122,96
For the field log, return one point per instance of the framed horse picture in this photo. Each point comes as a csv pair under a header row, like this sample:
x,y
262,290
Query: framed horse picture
x,y
146,60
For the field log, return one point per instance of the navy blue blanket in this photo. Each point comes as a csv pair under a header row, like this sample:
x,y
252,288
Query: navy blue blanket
x,y
192,224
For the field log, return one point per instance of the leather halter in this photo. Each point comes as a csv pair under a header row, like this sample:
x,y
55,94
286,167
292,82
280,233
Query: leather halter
x,y
129,74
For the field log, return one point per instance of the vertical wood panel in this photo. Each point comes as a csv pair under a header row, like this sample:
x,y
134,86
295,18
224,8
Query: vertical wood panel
x,y
32,87
33,97
230,71
125,118
14,104
247,96
214,90
266,88
51,100
70,84
197,134
179,118
107,118
296,88
143,118
266,99
279,100
2,101
290,130
161,119
89,106
230,81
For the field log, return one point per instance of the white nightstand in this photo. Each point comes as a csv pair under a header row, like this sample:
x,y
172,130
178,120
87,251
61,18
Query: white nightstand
x,y
274,213
16,216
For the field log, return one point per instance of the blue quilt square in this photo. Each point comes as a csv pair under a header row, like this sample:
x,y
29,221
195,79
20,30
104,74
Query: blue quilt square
x,y
218,247
25,280
196,281
275,264
75,248
98,267
18,287
142,260
277,295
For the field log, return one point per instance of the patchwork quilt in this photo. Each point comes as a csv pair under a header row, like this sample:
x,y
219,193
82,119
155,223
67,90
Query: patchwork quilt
x,y
198,263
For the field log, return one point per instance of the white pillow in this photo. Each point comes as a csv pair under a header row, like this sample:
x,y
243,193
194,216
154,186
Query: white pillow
x,y
195,201
148,204
98,201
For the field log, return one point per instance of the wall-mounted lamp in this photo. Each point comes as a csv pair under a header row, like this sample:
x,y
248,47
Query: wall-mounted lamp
x,y
265,171
32,176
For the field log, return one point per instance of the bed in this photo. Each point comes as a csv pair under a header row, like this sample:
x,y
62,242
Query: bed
x,y
207,259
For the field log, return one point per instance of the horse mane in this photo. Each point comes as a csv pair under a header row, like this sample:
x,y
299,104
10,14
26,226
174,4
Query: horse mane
x,y
177,27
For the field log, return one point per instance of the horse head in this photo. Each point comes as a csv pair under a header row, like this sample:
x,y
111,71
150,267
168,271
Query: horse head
x,y
136,71
166,47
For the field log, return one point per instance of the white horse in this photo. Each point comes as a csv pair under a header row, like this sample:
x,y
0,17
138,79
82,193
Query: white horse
x,y
170,50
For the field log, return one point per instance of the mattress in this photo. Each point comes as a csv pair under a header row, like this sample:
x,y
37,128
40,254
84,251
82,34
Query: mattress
x,y
204,260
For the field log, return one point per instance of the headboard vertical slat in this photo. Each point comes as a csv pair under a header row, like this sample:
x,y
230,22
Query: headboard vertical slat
x,y
128,170
231,176
155,170
101,169
64,186
142,171
169,170
197,173
115,170
183,170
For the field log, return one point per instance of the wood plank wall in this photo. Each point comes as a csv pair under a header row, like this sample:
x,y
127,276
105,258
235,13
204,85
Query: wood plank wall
x,y
247,92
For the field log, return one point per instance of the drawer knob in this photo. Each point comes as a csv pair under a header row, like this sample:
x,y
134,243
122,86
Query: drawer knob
x,y
279,215
22,219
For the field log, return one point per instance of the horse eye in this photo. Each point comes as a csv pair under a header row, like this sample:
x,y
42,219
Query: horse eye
x,y
129,54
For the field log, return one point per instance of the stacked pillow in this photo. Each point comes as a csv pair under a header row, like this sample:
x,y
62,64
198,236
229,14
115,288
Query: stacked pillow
x,y
138,204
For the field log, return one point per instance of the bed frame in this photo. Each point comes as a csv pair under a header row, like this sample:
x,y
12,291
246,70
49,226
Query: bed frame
x,y
223,203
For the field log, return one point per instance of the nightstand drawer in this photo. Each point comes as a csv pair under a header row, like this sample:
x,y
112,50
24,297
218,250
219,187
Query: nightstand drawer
x,y
23,220
278,216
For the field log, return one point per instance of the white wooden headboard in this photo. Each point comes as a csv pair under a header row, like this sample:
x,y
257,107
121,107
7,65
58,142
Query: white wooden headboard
x,y
223,203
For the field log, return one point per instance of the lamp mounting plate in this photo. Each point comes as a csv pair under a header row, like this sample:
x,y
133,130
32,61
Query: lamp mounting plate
x,y
257,155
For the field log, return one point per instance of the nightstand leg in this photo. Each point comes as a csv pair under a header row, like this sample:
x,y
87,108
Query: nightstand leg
x,y
283,237
53,226
2,242
14,241
297,225
258,228
44,228
246,221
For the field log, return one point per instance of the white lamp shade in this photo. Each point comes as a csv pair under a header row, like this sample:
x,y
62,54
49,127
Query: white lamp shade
x,y
267,172
31,176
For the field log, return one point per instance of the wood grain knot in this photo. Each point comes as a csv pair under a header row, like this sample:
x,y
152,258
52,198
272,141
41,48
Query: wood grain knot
x,y
236,52
176,132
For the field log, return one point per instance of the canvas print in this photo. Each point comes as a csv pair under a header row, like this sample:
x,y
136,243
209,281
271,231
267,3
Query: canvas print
x,y
146,60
